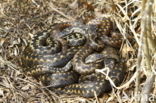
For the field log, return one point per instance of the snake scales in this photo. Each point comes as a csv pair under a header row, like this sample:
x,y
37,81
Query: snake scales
x,y
67,58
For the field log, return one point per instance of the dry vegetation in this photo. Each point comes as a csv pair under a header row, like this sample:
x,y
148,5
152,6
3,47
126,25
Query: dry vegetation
x,y
20,19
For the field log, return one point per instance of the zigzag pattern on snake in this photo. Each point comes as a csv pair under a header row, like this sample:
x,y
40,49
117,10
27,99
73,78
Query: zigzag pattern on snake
x,y
58,59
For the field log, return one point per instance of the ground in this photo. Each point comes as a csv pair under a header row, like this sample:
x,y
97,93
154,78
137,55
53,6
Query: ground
x,y
20,19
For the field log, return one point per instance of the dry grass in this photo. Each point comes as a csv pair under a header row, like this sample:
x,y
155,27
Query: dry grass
x,y
20,19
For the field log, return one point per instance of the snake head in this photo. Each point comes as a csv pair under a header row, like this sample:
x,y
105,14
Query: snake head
x,y
97,45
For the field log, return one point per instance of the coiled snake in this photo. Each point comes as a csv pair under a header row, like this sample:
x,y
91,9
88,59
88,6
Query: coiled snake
x,y
59,59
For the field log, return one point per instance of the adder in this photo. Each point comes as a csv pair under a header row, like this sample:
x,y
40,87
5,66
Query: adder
x,y
58,58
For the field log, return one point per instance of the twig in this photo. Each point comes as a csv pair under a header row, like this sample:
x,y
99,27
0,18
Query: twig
x,y
146,28
59,12
148,87
139,60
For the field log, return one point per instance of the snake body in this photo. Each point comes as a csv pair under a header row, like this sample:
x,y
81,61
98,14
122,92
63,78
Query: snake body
x,y
41,60
96,82
59,60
